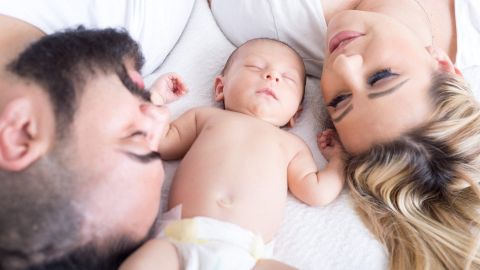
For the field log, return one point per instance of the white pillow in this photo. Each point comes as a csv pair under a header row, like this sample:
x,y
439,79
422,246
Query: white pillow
x,y
156,25
300,24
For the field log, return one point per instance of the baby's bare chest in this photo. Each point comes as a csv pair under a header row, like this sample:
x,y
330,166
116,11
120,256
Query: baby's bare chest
x,y
245,135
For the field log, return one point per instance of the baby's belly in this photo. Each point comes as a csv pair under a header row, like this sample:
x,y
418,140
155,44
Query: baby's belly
x,y
256,204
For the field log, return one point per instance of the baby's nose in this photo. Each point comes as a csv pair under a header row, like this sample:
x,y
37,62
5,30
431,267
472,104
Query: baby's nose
x,y
272,76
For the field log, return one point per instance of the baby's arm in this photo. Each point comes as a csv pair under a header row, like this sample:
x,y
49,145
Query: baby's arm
x,y
167,88
315,187
179,136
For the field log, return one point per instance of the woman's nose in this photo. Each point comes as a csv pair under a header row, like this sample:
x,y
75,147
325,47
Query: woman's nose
x,y
157,120
349,68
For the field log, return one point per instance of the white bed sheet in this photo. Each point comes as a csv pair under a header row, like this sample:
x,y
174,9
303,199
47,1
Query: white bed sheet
x,y
331,237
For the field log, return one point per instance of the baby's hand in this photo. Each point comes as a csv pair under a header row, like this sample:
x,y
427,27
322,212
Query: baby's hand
x,y
329,144
167,88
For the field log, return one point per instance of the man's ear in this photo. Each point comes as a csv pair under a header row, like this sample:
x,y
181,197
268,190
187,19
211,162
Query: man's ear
x,y
18,132
219,88
294,118
443,61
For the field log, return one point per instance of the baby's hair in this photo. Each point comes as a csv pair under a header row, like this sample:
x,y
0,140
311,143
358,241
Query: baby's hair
x,y
232,55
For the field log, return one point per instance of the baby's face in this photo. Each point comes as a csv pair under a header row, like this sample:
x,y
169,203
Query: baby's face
x,y
265,80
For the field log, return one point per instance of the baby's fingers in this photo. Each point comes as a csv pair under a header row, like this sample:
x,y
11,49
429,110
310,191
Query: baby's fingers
x,y
179,87
323,141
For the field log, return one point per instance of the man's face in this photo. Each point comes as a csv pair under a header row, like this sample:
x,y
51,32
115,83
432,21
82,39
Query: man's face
x,y
114,137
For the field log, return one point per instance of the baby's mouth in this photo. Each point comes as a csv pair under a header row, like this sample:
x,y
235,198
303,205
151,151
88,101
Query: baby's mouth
x,y
267,91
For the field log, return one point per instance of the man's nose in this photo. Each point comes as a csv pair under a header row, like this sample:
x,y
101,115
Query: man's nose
x,y
158,118
271,75
349,69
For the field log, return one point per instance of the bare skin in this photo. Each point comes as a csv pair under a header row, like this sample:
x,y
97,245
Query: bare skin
x,y
253,198
237,163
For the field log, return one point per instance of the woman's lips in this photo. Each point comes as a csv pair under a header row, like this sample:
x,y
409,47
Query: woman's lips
x,y
341,39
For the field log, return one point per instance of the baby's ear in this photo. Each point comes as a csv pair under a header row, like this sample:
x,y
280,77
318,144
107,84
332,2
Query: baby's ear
x,y
444,63
219,88
294,118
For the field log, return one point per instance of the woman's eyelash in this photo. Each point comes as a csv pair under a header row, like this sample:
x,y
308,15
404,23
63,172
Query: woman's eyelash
x,y
337,100
380,75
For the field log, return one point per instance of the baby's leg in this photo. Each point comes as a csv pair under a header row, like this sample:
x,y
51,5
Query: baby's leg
x,y
272,264
152,255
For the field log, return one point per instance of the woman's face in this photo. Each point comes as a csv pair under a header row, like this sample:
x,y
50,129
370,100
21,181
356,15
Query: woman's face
x,y
375,78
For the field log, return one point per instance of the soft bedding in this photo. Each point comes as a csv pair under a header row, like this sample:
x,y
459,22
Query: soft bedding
x,y
331,237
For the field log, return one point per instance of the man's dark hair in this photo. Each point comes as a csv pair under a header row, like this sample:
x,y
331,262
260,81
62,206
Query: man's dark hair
x,y
40,218
62,62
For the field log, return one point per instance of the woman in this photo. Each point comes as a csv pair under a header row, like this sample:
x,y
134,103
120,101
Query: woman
x,y
418,193
401,110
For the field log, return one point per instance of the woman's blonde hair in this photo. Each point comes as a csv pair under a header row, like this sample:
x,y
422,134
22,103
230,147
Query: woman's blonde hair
x,y
419,194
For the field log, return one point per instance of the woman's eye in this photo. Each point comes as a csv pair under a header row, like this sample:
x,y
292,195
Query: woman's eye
x,y
337,100
380,75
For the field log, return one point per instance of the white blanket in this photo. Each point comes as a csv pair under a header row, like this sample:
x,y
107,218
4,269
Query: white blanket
x,y
331,237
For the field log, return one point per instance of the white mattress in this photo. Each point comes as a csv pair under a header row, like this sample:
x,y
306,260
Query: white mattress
x,y
331,237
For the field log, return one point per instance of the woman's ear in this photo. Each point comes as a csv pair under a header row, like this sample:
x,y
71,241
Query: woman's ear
x,y
219,88
19,130
444,63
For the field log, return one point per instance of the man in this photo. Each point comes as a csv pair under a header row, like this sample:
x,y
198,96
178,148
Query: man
x,y
97,196
80,179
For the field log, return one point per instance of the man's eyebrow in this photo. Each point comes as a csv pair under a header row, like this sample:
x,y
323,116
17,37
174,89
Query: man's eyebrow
x,y
141,93
132,86
388,91
345,112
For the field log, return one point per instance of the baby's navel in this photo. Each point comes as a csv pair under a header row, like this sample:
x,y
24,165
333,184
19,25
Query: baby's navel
x,y
225,202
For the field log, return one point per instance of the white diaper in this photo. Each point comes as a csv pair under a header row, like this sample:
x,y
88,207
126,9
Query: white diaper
x,y
299,23
209,244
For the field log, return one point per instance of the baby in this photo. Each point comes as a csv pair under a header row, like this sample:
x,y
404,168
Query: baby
x,y
231,187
